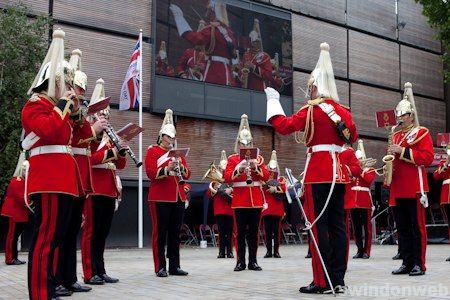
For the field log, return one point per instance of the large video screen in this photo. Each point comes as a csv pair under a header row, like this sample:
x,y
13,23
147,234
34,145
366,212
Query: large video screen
x,y
221,44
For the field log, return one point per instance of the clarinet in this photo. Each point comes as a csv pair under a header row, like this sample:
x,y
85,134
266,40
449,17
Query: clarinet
x,y
116,141
177,169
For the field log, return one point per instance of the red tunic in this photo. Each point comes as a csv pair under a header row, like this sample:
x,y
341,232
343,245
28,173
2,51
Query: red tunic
x,y
218,67
104,179
275,206
191,60
51,172
351,162
443,173
358,195
83,134
244,196
261,76
222,206
163,186
418,151
14,204
324,132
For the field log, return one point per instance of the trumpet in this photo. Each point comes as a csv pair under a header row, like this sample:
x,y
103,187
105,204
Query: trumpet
x,y
116,140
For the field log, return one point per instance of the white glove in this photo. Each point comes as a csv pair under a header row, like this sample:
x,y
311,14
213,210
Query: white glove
x,y
180,21
272,94
265,206
116,205
186,204
274,107
424,200
272,189
242,164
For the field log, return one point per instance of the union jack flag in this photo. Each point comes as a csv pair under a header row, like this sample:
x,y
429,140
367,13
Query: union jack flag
x,y
129,94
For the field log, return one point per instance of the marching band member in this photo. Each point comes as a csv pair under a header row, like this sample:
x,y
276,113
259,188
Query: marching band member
x,y
327,127
443,173
15,209
83,134
192,63
162,62
257,65
53,180
217,37
274,191
350,160
221,194
362,205
413,150
166,198
101,202
248,198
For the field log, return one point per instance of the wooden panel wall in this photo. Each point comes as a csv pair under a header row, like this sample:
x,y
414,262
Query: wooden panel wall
x,y
117,15
416,30
333,10
307,34
107,56
365,102
377,16
38,7
431,114
373,60
423,70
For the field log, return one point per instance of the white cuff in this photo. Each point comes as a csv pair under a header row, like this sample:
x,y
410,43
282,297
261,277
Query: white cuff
x,y
274,108
182,25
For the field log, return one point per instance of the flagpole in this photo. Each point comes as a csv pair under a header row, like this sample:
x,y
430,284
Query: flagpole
x,y
140,191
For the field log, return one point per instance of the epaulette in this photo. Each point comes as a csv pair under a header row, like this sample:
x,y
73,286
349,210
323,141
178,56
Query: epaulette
x,y
316,101
35,97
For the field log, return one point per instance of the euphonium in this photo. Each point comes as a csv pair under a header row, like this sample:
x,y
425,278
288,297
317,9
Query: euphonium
x,y
217,185
215,176
388,161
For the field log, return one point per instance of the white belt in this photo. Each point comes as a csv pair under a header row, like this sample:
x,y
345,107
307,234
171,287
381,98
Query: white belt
x,y
326,147
220,59
50,149
244,184
360,188
109,166
446,181
81,151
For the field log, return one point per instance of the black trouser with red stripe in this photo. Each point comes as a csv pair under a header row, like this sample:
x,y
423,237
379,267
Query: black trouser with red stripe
x,y
247,224
361,220
411,228
15,229
329,232
447,212
67,267
225,227
347,232
395,212
98,212
52,212
272,227
167,218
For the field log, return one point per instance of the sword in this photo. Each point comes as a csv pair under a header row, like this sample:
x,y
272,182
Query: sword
x,y
292,180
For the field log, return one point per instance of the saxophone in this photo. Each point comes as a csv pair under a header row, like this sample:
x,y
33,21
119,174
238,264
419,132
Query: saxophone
x,y
388,161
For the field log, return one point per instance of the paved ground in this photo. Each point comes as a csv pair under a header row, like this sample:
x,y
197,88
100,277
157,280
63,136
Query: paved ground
x,y
212,278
